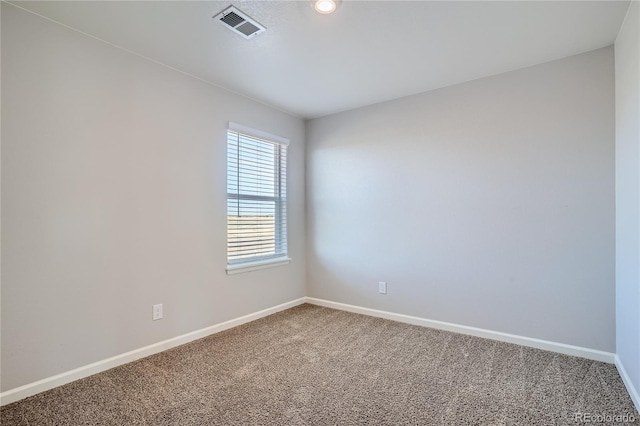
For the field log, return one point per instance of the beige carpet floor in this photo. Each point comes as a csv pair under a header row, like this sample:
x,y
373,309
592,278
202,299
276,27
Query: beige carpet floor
x,y
317,366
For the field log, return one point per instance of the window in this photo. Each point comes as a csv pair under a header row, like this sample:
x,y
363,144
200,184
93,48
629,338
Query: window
x,y
256,199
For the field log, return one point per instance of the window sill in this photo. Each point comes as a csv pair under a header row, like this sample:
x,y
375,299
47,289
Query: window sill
x,y
240,268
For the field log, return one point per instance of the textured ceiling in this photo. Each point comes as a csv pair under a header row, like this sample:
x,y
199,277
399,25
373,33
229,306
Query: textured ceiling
x,y
367,52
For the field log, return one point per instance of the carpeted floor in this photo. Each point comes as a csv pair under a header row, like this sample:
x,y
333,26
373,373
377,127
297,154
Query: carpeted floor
x,y
317,366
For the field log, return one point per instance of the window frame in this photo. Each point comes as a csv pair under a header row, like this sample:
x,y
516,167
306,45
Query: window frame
x,y
281,257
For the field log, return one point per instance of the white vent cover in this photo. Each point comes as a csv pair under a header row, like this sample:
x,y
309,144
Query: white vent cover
x,y
239,22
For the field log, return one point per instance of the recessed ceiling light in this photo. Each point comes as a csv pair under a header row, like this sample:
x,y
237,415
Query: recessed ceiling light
x,y
325,6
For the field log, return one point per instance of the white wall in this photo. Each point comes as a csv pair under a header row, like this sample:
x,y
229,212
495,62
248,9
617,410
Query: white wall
x,y
113,194
627,53
487,204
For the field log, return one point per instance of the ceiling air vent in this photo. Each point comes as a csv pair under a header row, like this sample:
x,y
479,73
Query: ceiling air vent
x,y
239,22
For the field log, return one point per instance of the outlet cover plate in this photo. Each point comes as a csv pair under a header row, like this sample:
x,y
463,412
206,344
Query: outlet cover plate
x,y
157,312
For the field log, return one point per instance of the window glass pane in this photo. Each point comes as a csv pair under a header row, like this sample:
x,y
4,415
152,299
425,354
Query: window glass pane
x,y
256,198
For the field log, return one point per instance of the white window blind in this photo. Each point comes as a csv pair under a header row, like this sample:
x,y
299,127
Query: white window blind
x,y
256,196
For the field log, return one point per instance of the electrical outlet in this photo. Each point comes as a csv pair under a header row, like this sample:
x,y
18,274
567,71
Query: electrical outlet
x,y
157,312
382,287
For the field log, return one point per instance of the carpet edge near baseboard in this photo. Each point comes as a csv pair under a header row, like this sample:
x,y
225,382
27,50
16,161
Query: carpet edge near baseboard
x,y
592,354
30,389
633,392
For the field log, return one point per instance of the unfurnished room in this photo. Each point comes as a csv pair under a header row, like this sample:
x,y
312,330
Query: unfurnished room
x,y
320,212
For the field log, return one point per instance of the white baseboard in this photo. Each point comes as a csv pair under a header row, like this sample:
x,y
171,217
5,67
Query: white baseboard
x,y
633,392
562,348
30,389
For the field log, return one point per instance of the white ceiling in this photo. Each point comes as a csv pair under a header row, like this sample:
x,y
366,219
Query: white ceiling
x,y
367,52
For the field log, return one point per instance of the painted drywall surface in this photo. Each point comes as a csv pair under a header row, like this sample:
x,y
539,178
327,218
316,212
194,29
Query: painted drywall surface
x,y
114,199
488,204
627,60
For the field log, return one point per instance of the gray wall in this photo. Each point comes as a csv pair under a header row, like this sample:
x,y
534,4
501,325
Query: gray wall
x,y
627,49
488,204
114,198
